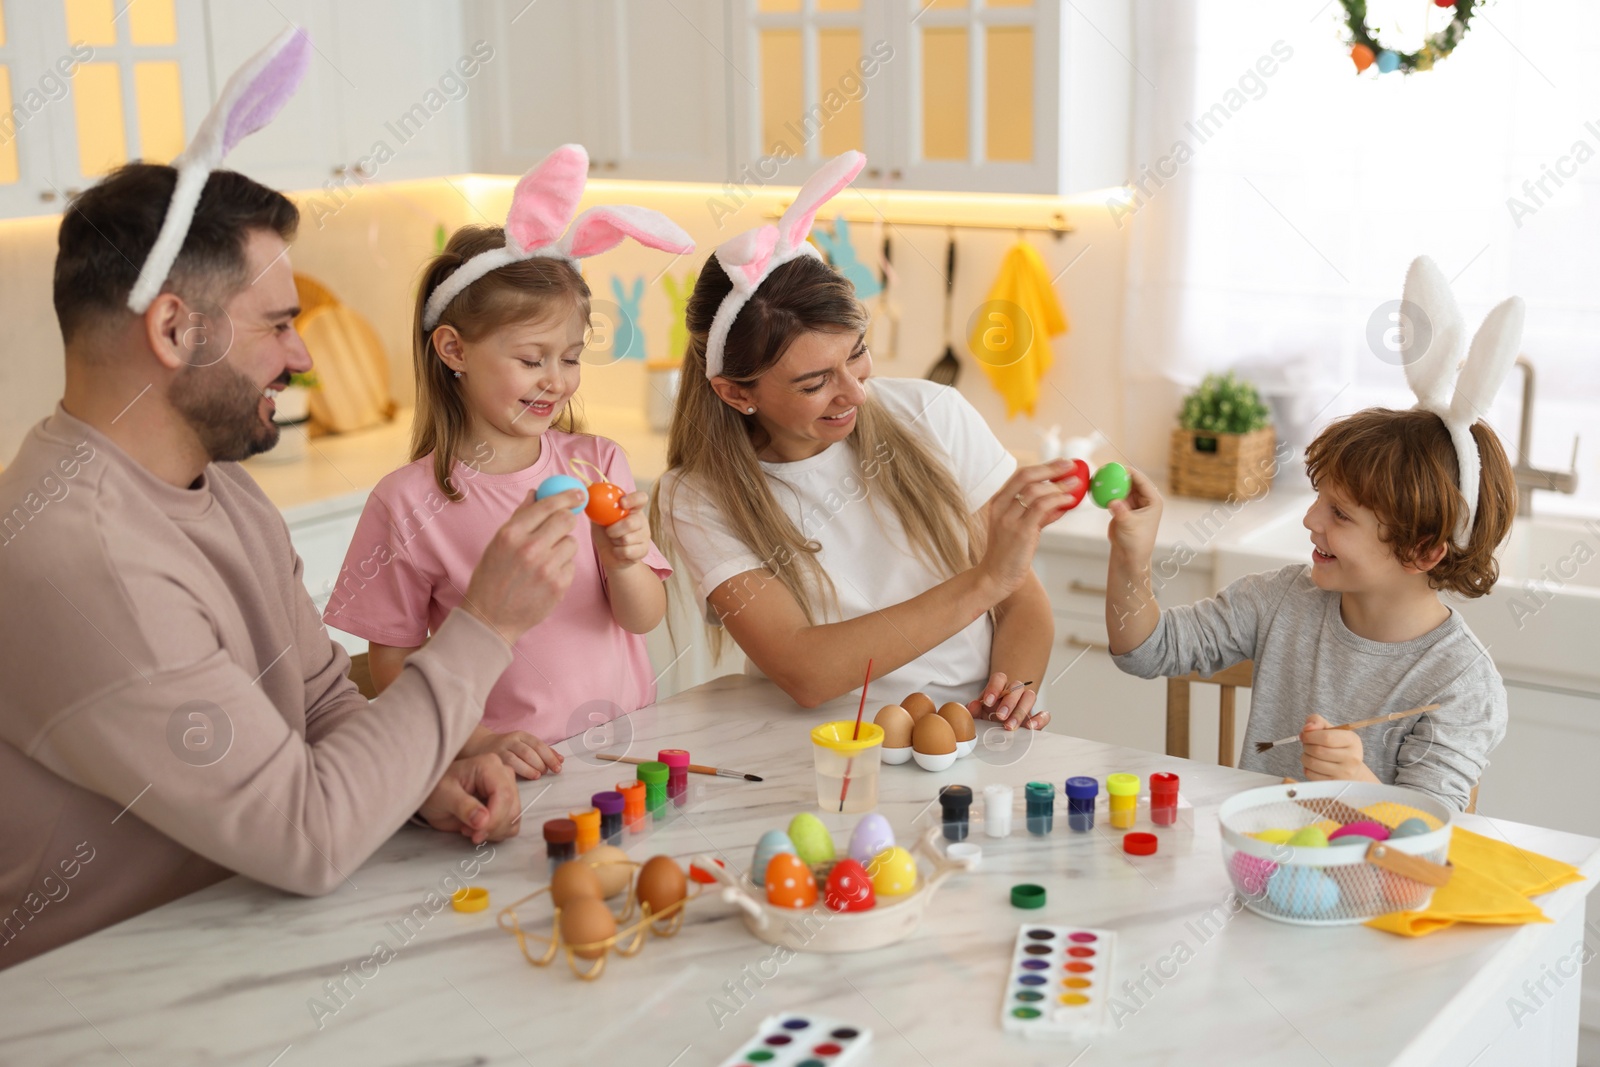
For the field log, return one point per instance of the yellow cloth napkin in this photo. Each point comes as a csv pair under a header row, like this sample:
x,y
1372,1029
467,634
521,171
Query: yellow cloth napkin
x,y
1011,338
1491,884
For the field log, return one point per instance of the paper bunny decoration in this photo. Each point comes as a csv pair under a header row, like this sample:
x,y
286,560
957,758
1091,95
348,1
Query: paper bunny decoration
x,y
678,298
542,205
1432,371
251,99
842,254
755,254
628,304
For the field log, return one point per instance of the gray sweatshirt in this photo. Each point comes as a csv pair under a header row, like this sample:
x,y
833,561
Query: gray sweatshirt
x,y
1307,660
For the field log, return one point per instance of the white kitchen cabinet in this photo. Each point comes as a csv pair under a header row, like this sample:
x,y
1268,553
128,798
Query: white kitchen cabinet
x,y
643,85
86,87
1028,96
321,541
384,98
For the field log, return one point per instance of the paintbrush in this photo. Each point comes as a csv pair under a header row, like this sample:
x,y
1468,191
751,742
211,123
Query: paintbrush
x,y
1262,746
694,768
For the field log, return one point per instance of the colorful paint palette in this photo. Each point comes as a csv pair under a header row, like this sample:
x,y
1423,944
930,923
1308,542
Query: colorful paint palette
x,y
800,1040
1059,982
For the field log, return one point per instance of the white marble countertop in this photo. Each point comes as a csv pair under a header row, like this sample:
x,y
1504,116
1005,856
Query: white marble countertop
x,y
228,974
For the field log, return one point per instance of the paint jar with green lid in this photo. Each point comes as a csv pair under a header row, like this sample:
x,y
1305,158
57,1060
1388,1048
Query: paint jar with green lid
x,y
654,775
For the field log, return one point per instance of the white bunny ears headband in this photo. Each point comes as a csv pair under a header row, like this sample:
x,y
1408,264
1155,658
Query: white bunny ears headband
x,y
251,99
1432,372
542,205
752,256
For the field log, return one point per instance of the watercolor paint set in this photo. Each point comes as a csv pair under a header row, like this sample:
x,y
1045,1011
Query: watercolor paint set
x,y
796,1039
1059,982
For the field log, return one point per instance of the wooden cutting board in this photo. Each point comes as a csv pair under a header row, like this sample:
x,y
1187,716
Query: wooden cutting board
x,y
351,366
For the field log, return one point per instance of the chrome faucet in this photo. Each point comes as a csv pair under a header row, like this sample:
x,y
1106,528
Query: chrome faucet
x,y
1528,476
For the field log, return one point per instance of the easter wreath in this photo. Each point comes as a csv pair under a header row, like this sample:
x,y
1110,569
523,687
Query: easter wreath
x,y
1366,50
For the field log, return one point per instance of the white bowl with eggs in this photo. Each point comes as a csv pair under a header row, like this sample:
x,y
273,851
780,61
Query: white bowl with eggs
x,y
820,929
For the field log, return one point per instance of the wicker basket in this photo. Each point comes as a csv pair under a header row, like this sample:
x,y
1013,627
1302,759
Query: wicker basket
x,y
1222,466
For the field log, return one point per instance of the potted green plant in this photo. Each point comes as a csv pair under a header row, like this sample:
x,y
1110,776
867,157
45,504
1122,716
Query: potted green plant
x,y
1223,445
292,414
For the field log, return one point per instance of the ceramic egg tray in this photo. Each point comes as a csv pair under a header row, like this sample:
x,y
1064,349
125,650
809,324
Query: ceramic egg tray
x,y
820,929
1339,884
627,941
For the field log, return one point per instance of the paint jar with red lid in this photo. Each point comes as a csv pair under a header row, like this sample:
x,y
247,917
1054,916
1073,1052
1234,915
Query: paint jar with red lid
x,y
1163,799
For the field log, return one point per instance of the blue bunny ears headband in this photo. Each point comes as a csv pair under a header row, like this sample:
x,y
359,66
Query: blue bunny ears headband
x,y
251,99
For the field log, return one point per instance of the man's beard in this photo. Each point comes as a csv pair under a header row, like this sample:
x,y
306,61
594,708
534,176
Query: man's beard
x,y
224,409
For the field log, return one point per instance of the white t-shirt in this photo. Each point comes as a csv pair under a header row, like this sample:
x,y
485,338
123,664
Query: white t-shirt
x,y
864,547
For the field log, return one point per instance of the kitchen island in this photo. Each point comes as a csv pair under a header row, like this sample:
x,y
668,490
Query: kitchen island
x,y
242,974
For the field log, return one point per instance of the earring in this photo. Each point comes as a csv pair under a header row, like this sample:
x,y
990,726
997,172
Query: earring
x,y
749,411
458,374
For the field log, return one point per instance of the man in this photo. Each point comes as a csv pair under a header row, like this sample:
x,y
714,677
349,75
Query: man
x,y
173,710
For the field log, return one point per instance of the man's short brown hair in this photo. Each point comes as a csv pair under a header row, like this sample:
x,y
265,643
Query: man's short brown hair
x,y
108,231
1402,465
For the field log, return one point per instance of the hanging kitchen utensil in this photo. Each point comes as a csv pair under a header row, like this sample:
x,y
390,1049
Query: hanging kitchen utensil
x,y
948,368
883,337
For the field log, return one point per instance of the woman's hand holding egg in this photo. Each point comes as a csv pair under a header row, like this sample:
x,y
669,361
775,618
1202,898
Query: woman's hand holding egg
x,y
625,541
1031,499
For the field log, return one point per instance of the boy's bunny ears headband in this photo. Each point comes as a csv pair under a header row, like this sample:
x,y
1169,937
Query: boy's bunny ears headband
x,y
752,256
250,100
1432,372
541,207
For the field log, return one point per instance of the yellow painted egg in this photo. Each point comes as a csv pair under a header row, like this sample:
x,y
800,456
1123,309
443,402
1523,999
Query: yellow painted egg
x,y
790,883
897,725
574,880
960,720
920,705
1275,836
933,737
661,884
584,922
612,867
894,872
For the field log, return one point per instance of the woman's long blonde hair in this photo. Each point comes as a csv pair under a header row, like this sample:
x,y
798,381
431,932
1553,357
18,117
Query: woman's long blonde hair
x,y
529,290
716,447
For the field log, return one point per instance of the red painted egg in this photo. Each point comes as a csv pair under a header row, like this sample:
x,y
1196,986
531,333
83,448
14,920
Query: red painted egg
x,y
605,503
849,888
1080,471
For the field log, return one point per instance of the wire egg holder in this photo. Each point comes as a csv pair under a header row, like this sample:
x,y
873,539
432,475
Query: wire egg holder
x,y
892,919
1340,884
627,941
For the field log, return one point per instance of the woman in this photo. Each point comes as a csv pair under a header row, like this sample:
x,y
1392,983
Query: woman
x,y
826,519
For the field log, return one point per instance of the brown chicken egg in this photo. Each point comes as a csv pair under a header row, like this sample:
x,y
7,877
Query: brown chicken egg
x,y
661,884
960,720
574,880
897,726
612,867
919,705
584,922
933,737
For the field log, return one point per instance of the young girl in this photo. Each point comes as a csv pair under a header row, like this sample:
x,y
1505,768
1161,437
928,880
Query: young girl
x,y
1409,504
501,319
828,517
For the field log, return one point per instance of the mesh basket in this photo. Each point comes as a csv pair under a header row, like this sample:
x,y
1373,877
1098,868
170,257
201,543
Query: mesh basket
x,y
1339,884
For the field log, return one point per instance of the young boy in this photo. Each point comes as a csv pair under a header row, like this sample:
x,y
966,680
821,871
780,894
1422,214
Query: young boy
x,y
1359,632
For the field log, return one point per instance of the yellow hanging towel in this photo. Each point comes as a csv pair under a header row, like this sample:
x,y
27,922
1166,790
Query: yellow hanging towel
x,y
1011,338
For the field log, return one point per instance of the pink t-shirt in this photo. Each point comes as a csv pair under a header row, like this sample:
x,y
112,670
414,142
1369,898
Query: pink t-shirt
x,y
414,553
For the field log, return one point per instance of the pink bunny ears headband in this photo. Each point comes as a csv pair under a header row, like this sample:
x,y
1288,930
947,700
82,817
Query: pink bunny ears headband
x,y
1432,372
750,258
541,207
251,99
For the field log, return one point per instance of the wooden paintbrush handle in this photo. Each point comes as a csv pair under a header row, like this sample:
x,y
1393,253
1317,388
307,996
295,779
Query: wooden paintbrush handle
x,y
694,768
1388,718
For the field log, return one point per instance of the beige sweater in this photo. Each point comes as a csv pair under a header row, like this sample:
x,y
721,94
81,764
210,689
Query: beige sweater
x,y
171,707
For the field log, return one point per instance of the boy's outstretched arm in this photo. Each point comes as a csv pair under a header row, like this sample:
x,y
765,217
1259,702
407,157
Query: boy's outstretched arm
x,y
1131,609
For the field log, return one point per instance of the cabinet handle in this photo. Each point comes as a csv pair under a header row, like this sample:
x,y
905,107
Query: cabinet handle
x,y
361,170
874,172
611,164
1076,586
48,196
339,171
896,174
1072,641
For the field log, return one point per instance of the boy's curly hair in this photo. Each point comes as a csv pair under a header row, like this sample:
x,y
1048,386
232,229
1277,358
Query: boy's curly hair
x,y
1402,465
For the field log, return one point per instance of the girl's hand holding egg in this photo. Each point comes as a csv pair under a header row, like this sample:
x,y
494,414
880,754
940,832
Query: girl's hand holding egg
x,y
625,541
1135,519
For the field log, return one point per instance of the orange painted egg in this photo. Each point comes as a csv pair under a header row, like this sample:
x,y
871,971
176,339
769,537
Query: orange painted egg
x,y
1362,57
605,503
790,883
849,888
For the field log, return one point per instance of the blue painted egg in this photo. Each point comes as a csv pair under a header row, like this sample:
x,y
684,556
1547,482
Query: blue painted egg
x,y
1411,828
771,844
1303,892
561,483
871,836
